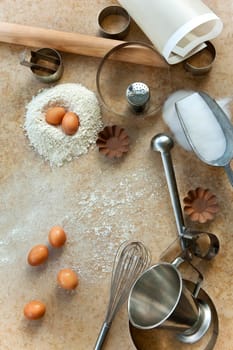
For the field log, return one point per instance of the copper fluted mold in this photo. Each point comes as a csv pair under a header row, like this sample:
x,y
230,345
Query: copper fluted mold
x,y
200,205
113,141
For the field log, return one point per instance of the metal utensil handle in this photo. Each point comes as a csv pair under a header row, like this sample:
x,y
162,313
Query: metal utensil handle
x,y
163,143
173,191
199,281
229,173
178,261
102,335
38,67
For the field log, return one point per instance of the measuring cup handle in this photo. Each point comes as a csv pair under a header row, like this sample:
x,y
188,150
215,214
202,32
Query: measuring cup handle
x,y
198,282
178,261
229,173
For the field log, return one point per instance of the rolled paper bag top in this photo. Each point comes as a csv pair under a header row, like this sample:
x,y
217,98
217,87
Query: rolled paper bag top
x,y
177,28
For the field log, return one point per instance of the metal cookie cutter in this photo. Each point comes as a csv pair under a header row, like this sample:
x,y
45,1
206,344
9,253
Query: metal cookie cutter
x,y
114,22
201,62
45,64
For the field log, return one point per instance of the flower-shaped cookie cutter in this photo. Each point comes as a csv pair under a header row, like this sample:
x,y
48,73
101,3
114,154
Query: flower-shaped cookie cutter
x,y
113,141
200,205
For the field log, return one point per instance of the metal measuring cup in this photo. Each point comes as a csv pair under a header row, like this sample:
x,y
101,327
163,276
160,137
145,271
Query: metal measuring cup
x,y
159,298
202,244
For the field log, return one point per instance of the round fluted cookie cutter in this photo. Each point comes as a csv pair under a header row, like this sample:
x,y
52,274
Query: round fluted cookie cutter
x,y
201,63
114,22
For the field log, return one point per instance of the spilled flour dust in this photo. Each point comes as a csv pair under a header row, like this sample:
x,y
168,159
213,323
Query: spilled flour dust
x,y
96,219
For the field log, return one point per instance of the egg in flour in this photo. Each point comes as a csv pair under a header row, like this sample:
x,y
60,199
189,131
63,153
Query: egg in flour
x,y
70,123
54,115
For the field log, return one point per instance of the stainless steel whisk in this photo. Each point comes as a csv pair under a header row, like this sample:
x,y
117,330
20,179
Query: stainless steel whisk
x,y
131,259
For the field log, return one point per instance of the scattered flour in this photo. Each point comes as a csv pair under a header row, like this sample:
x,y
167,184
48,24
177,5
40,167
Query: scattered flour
x,y
50,141
97,218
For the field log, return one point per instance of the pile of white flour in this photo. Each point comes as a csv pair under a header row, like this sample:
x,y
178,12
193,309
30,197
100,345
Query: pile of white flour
x,y
50,141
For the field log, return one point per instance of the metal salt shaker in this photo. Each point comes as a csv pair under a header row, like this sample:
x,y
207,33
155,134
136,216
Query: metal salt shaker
x,y
138,96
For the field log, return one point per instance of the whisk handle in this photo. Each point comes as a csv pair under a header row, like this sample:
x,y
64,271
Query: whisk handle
x,y
102,335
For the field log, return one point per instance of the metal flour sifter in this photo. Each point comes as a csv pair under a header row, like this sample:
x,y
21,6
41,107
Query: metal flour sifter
x,y
207,129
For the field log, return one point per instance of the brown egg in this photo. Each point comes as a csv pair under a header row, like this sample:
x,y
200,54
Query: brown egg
x,y
34,310
70,123
38,255
67,279
54,115
57,236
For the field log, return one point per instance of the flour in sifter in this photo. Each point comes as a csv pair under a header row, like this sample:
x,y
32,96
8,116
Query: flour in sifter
x,y
50,141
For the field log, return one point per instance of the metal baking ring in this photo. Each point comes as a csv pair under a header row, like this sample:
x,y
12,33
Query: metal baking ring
x,y
204,69
100,67
114,10
53,56
213,248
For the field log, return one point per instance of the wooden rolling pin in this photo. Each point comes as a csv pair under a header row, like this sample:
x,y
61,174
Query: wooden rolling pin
x,y
76,43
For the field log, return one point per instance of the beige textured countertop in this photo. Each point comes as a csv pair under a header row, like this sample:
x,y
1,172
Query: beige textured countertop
x,y
99,203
